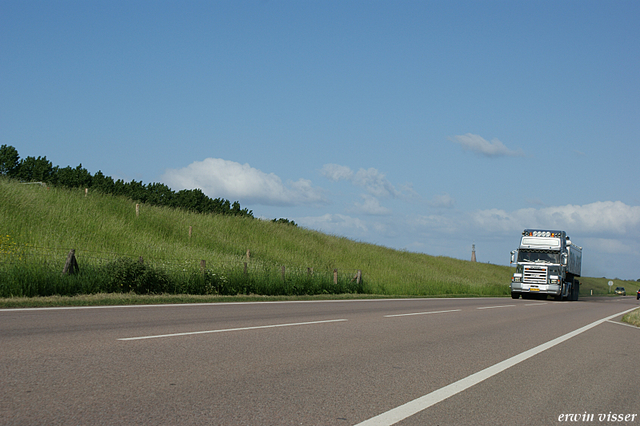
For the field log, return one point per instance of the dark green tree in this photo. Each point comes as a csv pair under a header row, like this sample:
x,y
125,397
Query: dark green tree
x,y
33,169
119,188
159,194
72,178
284,221
136,191
102,183
191,199
9,160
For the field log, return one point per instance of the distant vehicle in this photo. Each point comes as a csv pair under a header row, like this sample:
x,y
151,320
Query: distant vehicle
x,y
547,264
621,291
638,295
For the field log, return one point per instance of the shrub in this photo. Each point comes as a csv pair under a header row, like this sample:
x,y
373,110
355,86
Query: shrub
x,y
126,275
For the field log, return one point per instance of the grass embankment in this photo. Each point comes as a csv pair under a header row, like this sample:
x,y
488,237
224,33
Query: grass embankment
x,y
40,225
600,287
632,318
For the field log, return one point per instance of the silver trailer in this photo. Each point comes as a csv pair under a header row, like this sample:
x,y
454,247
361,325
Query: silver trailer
x,y
547,264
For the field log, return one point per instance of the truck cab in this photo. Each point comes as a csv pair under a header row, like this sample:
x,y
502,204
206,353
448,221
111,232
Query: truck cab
x,y
547,264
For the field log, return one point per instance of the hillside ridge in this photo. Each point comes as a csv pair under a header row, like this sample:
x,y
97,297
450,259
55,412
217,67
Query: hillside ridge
x,y
49,221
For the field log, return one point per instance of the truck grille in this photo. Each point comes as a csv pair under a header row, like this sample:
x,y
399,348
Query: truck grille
x,y
535,275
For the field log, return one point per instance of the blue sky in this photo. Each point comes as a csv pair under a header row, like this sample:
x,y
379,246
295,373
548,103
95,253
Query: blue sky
x,y
427,126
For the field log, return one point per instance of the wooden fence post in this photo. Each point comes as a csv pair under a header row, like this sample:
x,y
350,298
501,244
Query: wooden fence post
x,y
248,255
358,276
190,229
71,265
137,210
335,276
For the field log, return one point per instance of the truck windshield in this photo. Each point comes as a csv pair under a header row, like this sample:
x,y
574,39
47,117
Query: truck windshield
x,y
539,256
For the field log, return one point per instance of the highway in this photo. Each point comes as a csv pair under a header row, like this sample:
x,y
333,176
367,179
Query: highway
x,y
476,361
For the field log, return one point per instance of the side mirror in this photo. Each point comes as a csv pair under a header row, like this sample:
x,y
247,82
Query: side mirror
x,y
513,256
564,259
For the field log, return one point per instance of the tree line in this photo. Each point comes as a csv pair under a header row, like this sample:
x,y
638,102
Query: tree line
x,y
32,169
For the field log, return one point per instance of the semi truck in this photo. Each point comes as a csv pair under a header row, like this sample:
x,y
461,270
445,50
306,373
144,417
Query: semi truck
x,y
547,264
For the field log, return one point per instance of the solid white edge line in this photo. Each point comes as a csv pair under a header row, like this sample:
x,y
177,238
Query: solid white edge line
x,y
625,324
422,313
401,412
272,302
158,336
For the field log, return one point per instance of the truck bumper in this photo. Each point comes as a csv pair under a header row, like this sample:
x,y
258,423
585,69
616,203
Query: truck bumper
x,y
552,289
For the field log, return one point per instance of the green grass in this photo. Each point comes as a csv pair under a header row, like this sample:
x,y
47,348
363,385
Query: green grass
x,y
599,286
632,318
38,227
119,299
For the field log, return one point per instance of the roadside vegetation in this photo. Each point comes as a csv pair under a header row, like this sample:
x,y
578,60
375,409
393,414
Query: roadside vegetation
x,y
32,170
131,252
159,250
632,318
598,286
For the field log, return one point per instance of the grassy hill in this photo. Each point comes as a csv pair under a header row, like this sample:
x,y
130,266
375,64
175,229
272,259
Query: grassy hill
x,y
40,225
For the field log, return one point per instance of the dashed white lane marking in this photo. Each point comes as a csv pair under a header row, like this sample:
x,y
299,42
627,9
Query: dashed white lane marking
x,y
493,307
159,336
400,413
422,313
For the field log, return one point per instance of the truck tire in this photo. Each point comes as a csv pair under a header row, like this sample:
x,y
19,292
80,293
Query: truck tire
x,y
515,295
562,290
573,293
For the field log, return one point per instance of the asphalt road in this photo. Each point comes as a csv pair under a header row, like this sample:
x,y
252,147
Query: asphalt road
x,y
489,361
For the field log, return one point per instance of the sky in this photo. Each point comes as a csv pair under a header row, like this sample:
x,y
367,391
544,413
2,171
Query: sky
x,y
426,126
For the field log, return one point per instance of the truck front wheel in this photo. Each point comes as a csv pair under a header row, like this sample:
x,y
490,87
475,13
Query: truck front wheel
x,y
515,295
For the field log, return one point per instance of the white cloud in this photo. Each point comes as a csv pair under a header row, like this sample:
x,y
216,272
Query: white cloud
x,y
602,218
442,201
479,145
336,172
234,181
371,206
608,245
374,182
599,218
